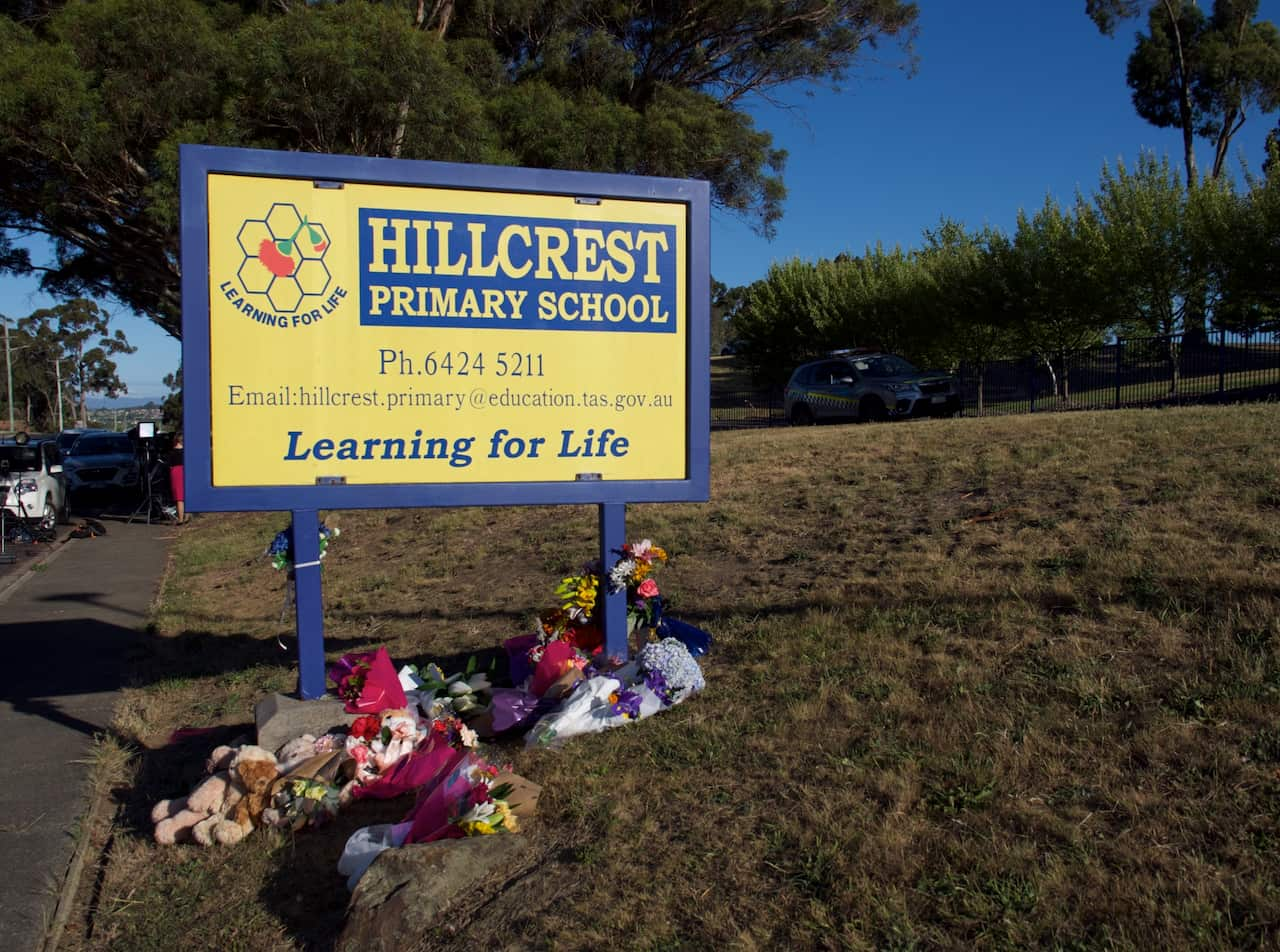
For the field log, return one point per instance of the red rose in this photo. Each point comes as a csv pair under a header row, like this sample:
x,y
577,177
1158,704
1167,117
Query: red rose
x,y
367,727
647,589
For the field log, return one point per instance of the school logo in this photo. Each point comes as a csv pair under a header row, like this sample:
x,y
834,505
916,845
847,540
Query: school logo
x,y
283,262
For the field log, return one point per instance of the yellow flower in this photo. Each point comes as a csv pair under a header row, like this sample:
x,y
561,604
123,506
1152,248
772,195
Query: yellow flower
x,y
508,818
476,828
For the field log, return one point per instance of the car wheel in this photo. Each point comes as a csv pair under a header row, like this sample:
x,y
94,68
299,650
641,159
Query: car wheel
x,y
871,408
64,516
801,415
48,518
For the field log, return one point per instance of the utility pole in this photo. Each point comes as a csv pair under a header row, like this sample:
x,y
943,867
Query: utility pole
x,y
8,370
57,372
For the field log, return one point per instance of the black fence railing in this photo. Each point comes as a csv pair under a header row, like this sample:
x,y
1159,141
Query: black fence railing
x,y
1150,371
741,409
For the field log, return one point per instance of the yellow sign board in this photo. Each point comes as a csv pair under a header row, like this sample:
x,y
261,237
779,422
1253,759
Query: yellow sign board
x,y
401,334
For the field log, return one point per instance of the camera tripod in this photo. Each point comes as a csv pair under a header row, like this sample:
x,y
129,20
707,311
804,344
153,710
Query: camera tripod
x,y
153,487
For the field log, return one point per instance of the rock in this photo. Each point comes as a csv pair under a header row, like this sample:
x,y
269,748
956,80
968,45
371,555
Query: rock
x,y
403,895
281,718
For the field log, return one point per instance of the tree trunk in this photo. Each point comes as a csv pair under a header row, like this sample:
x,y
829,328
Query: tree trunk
x,y
441,13
1053,375
1185,115
1171,355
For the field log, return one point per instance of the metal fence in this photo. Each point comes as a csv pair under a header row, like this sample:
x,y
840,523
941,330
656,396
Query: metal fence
x,y
1149,371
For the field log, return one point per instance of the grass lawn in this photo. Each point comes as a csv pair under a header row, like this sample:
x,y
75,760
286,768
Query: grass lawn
x,y
978,683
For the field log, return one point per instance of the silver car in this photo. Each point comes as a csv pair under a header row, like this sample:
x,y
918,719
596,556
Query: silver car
x,y
867,385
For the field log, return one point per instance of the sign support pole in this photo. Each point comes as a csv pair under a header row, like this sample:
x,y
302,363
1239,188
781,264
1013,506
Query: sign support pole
x,y
613,535
307,604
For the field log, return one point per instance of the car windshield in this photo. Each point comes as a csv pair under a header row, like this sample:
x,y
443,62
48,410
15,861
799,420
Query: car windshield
x,y
20,459
67,440
885,365
102,446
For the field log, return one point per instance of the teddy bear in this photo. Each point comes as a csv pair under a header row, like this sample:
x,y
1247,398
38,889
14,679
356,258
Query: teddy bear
x,y
175,819
226,805
252,773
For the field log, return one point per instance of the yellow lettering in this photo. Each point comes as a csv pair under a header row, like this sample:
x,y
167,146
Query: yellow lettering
x,y
504,250
589,241
478,268
444,265
444,301
591,306
565,313
492,303
421,229
378,295
649,242
553,245
470,306
382,244
619,246
547,305
402,301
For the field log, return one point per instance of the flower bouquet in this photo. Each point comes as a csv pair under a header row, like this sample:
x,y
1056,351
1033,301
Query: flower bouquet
x,y
302,803
377,741
280,551
368,683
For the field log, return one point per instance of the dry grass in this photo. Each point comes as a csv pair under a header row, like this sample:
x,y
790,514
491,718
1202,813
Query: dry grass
x,y
999,683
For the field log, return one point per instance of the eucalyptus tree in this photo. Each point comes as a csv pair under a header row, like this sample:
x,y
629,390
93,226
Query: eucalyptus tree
x,y
76,335
96,97
1196,72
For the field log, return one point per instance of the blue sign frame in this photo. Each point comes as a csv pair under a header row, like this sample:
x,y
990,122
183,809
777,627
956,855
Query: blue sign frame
x,y
197,163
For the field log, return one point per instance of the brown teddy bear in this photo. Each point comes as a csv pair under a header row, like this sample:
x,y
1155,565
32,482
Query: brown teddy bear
x,y
226,805
252,773
175,819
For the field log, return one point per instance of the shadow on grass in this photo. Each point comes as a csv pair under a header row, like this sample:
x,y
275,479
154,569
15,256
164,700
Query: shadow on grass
x,y
75,658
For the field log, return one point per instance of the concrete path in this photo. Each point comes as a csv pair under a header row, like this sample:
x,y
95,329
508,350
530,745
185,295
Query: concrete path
x,y
65,629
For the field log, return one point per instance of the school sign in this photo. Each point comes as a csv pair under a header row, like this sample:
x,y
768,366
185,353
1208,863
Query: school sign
x,y
380,333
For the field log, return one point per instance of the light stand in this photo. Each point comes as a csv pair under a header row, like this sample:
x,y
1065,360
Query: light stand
x,y
151,505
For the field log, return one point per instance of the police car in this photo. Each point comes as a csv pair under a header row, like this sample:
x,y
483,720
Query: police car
x,y
867,385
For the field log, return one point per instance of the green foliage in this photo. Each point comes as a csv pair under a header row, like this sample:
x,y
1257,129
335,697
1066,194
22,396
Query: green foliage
x,y
1196,72
72,341
96,97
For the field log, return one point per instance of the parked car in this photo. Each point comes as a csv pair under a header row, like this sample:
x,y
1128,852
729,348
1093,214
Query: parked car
x,y
32,484
102,461
67,438
867,385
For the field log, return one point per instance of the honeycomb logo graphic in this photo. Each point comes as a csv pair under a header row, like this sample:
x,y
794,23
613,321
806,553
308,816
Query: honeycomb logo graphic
x,y
284,258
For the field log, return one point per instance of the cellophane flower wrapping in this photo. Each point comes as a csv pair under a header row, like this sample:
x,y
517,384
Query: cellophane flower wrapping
x,y
280,551
303,802
365,845
442,801
367,683
670,670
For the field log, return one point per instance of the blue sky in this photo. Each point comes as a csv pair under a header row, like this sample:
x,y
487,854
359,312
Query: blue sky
x,y
1012,100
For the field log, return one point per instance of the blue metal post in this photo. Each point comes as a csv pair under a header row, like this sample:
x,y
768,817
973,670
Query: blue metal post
x,y
310,612
613,535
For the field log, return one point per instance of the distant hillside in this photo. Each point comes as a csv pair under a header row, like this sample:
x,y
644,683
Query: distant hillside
x,y
123,403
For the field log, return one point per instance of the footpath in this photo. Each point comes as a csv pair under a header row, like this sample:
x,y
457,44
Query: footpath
x,y
67,626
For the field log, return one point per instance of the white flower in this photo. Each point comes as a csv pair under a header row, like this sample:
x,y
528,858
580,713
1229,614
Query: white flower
x,y
459,688
620,574
468,737
479,813
479,682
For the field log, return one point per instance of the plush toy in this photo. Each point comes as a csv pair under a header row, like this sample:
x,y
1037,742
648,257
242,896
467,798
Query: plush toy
x,y
175,819
252,773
